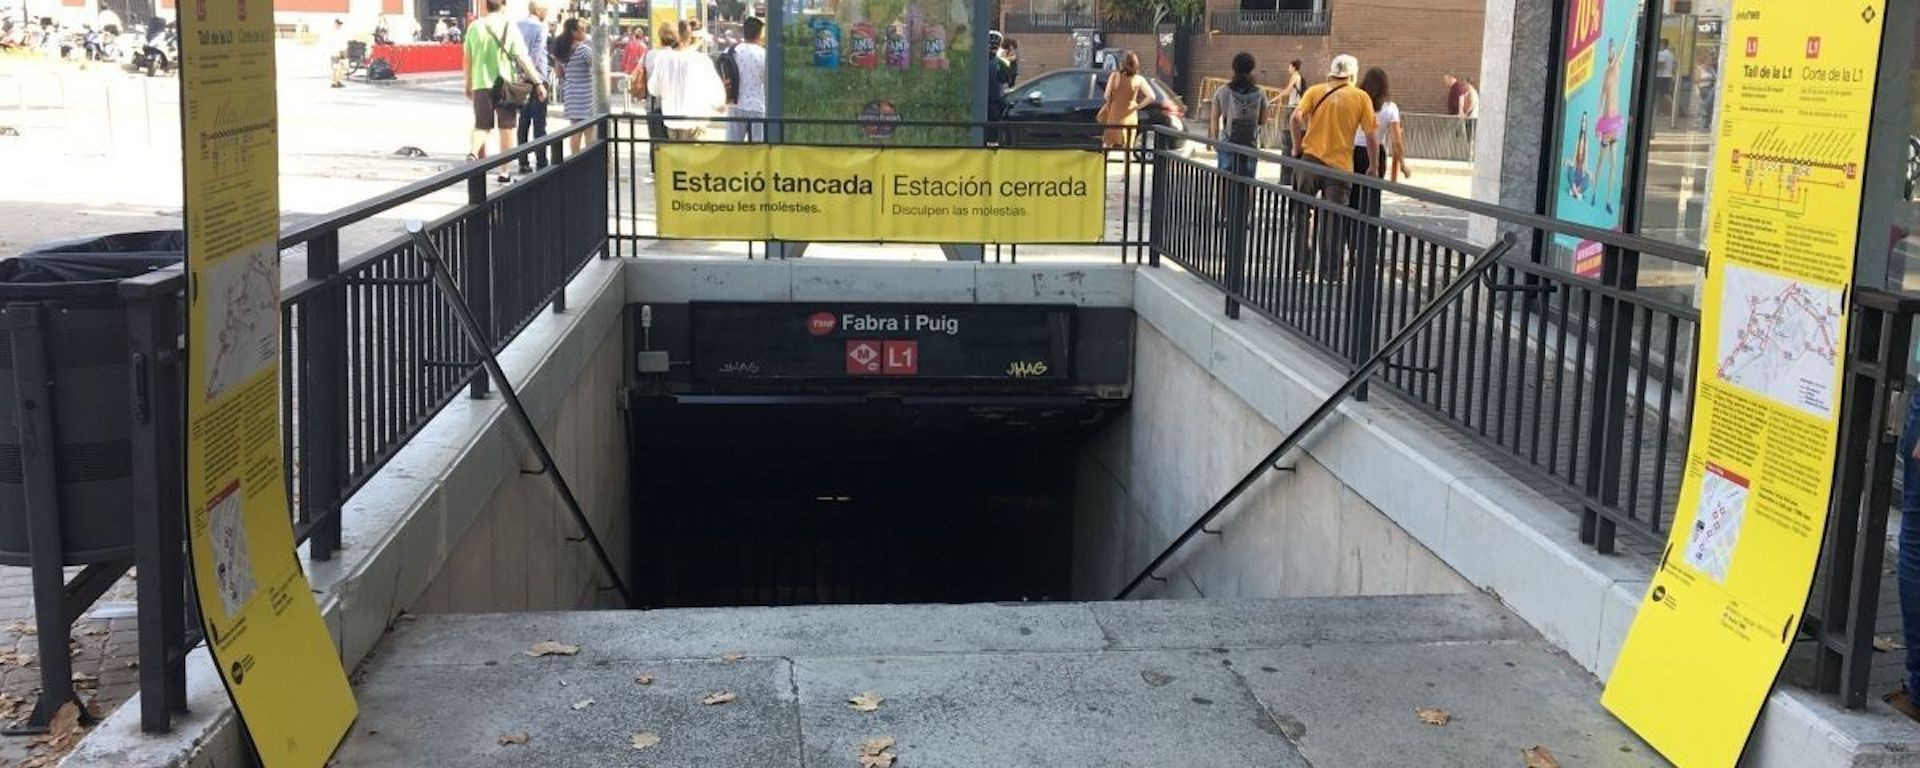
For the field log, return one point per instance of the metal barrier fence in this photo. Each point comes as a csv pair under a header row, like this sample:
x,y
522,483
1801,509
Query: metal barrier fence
x,y
1236,21
1427,136
370,352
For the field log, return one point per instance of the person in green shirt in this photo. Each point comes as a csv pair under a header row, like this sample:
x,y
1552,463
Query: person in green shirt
x,y
496,51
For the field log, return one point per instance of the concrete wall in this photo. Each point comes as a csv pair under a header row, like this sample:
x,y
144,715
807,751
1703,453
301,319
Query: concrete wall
x,y
516,555
1185,440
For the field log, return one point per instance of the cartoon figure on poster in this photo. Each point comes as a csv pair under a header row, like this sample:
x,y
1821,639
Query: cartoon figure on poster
x,y
1601,49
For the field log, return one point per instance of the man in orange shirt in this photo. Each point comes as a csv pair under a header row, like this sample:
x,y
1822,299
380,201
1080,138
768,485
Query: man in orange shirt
x,y
1328,117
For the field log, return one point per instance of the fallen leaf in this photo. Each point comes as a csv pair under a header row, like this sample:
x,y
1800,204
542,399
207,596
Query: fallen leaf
x,y
15,659
866,702
644,679
63,729
1155,678
516,737
581,704
94,631
645,739
10,705
1886,644
720,697
731,656
551,648
1540,757
1432,715
23,628
81,680
876,753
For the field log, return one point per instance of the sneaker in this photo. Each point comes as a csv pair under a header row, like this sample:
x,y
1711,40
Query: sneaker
x,y
504,178
1903,702
525,168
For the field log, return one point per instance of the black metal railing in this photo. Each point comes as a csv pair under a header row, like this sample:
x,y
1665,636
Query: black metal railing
x,y
1842,613
1235,21
1584,380
370,352
1020,22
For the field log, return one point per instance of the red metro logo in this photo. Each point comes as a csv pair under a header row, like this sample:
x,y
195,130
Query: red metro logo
x,y
821,323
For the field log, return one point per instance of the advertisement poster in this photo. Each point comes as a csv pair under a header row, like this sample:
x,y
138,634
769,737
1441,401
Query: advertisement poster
x,y
1725,603
1596,112
880,62
263,627
874,194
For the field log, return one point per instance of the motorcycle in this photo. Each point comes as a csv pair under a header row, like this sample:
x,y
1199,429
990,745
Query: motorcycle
x,y
160,55
100,45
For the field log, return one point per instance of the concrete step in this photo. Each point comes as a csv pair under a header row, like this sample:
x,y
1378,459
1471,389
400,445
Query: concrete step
x,y
1302,682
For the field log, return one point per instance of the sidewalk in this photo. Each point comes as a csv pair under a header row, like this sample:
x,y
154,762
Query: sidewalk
x,y
106,671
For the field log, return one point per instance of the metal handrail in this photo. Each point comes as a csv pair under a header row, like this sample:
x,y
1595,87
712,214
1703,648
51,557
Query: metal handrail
x,y
1454,290
1644,246
328,223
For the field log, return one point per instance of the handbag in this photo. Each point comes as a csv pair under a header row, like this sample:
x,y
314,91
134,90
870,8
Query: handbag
x,y
513,93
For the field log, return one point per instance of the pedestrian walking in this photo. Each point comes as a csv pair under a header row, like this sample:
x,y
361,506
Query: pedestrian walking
x,y
750,58
1296,83
575,59
1126,93
1391,138
496,65
1907,563
533,116
1470,112
996,88
1664,65
1703,82
1384,159
1239,109
336,42
689,90
1330,117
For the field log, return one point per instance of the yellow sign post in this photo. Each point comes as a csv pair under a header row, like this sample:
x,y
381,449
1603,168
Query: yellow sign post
x,y
1725,602
262,625
876,194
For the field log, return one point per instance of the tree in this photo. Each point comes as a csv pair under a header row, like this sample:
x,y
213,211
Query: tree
x,y
1185,13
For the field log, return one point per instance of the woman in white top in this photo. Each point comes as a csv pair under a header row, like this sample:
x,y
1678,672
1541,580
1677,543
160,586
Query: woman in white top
x,y
1392,139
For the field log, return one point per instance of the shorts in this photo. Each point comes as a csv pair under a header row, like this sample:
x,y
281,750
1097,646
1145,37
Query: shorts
x,y
488,115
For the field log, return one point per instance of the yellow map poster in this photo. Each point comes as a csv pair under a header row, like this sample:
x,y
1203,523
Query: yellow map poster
x,y
262,625
1725,603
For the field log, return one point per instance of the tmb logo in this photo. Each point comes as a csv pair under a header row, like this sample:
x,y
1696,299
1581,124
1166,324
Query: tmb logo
x,y
821,323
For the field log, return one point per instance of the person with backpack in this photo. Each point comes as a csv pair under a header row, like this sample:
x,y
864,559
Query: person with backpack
x,y
744,71
497,74
1330,116
1239,109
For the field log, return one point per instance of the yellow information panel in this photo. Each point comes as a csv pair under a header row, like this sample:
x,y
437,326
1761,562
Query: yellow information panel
x,y
872,194
1725,602
265,632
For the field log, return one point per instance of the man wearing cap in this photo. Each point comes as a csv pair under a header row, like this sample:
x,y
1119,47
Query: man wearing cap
x,y
1324,124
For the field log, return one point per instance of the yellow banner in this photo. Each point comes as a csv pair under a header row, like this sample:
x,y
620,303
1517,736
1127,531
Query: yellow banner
x,y
870,194
263,628
1725,602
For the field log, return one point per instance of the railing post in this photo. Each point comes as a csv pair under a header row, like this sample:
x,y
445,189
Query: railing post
x,y
1366,284
155,359
476,276
1157,208
323,397
1853,552
1608,431
1238,221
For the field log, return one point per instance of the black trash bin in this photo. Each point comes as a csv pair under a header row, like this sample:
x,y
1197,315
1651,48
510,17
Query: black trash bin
x,y
84,323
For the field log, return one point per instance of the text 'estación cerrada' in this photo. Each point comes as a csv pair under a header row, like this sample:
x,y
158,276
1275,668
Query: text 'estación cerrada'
x,y
901,185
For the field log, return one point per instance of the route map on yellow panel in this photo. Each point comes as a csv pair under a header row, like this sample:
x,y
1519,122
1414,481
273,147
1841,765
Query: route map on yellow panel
x,y
263,627
1724,605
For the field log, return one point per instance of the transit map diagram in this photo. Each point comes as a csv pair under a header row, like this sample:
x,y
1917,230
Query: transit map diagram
x,y
1780,338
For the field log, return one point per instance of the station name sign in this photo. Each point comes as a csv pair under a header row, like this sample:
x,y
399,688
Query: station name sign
x,y
880,342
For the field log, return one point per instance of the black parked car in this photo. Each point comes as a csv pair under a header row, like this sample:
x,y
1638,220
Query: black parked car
x,y
1074,96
